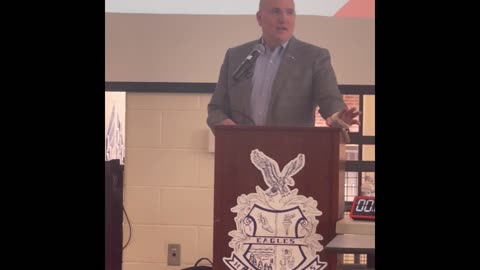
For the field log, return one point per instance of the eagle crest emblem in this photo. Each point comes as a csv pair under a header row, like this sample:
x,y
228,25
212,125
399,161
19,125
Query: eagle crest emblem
x,y
276,227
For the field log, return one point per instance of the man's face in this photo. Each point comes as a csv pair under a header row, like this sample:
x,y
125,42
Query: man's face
x,y
277,19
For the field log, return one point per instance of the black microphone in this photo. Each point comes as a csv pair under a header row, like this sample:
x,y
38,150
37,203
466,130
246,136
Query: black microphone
x,y
248,62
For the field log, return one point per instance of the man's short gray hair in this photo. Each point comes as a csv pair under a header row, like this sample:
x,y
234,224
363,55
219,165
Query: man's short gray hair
x,y
260,5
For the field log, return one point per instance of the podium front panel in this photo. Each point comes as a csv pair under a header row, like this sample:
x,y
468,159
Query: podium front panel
x,y
321,178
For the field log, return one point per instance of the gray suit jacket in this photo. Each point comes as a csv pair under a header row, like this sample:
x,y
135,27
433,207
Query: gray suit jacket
x,y
305,78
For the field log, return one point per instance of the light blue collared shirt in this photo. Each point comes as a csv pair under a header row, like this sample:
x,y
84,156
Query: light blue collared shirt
x,y
264,73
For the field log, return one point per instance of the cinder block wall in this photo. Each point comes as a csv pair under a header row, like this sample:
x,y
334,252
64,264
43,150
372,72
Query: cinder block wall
x,y
168,179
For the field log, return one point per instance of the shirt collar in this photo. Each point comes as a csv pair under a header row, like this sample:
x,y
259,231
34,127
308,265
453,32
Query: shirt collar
x,y
284,45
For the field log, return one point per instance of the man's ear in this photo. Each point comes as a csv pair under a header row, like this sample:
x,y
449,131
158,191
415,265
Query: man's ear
x,y
259,18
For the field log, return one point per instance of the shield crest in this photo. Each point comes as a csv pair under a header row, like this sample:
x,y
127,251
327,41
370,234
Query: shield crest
x,y
277,238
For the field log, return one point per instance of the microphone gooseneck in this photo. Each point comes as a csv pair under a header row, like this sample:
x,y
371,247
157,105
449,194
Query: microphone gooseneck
x,y
247,64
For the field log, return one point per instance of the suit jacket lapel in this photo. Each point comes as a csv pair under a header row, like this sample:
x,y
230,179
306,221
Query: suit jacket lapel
x,y
247,86
280,81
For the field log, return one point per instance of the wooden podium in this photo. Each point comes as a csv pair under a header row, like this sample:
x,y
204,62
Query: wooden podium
x,y
321,178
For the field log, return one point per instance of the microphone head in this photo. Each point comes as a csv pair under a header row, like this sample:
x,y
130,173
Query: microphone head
x,y
260,48
246,65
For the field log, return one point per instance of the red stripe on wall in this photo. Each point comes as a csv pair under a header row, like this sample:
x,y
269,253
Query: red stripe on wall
x,y
358,9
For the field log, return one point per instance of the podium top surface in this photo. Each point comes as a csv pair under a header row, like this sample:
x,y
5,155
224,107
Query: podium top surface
x,y
275,128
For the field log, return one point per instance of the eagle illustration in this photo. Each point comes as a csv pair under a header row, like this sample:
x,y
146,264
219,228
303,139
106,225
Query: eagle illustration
x,y
277,181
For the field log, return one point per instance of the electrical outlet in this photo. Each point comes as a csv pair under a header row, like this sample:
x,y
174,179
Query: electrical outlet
x,y
173,256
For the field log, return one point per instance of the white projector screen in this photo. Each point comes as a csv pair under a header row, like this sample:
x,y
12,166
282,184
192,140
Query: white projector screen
x,y
217,7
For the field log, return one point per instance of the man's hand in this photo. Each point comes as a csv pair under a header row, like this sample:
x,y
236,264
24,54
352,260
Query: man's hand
x,y
344,118
228,122
348,116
